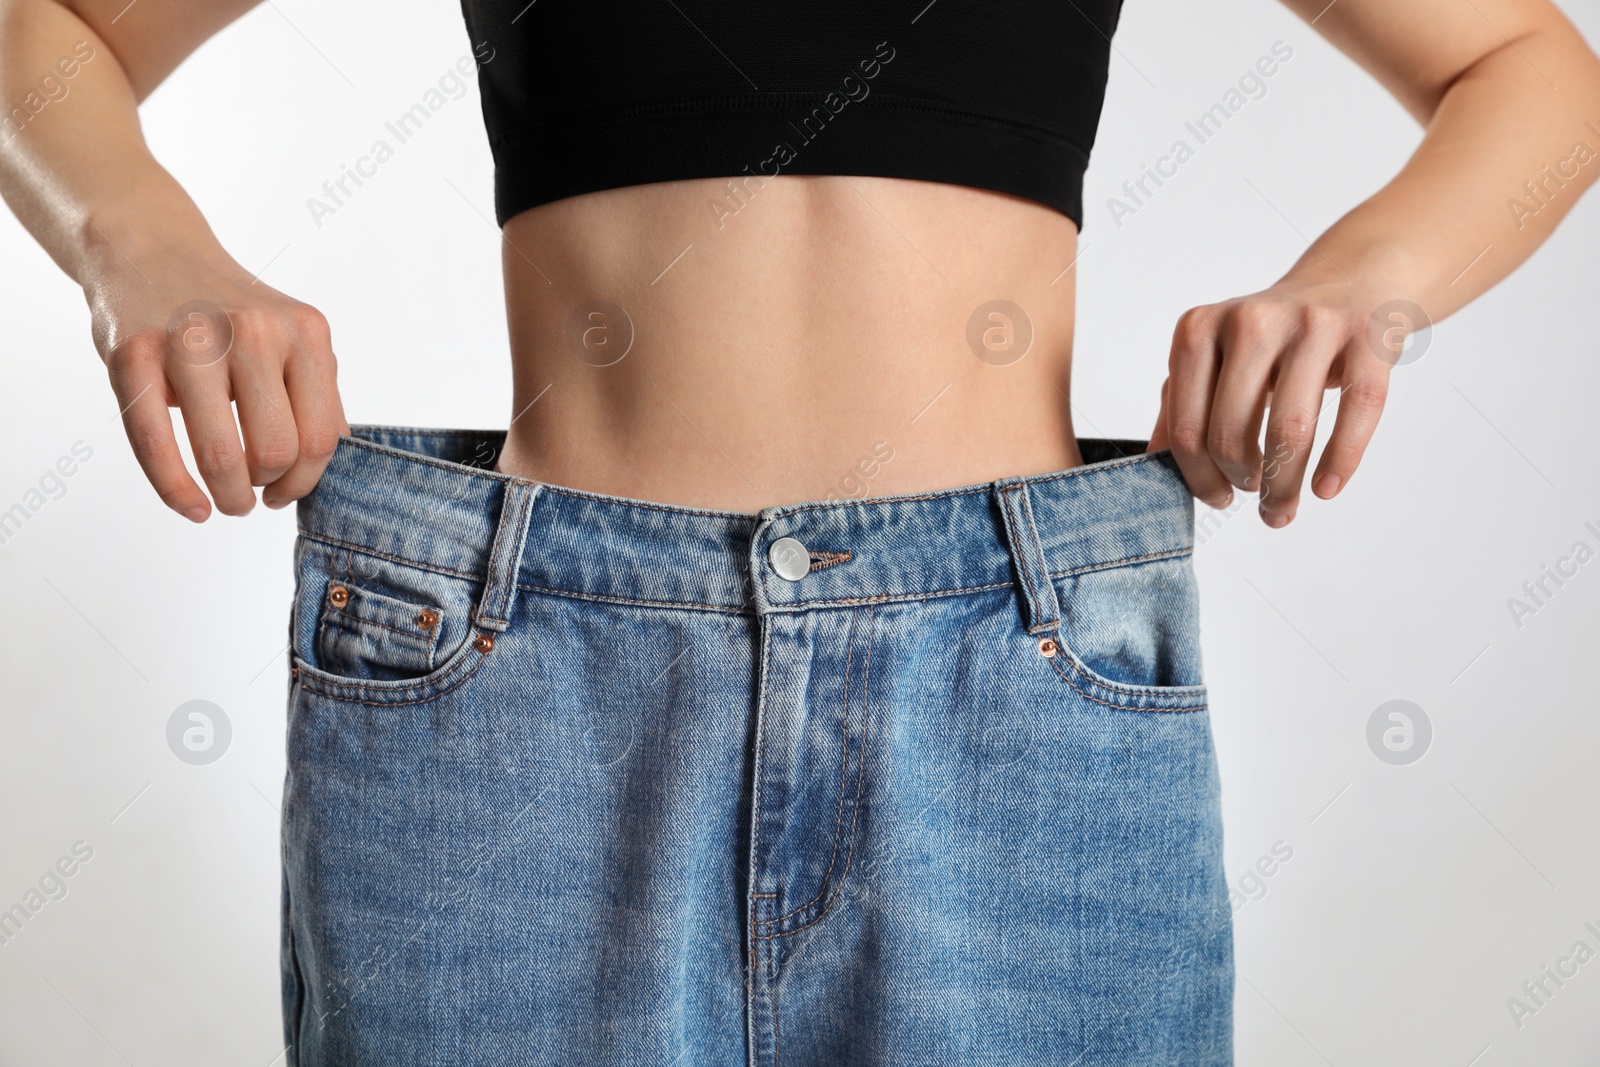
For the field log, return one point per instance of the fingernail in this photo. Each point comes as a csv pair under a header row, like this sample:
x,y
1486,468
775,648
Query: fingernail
x,y
1277,522
272,501
1329,484
195,514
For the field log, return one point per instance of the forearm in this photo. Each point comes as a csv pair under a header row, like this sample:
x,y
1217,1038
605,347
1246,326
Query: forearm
x,y
175,319
1509,148
74,165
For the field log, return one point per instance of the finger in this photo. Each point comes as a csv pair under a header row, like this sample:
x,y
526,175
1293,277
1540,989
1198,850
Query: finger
x,y
266,418
1158,434
204,392
1193,369
1254,338
140,385
1361,399
1292,424
311,377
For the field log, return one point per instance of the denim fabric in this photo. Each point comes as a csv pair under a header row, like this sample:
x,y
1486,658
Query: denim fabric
x,y
581,780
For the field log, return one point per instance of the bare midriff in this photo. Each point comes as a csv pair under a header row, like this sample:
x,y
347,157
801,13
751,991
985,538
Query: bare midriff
x,y
737,346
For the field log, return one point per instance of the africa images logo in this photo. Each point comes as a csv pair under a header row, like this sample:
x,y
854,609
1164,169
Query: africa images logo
x,y
198,732
451,85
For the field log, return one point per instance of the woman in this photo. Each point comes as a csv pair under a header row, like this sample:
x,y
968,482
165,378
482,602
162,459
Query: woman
x,y
787,684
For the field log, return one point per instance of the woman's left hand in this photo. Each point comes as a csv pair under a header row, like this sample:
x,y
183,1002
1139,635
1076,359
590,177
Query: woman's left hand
x,y
1281,349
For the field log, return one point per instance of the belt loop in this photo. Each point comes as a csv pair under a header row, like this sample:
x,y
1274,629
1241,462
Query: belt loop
x,y
1043,611
499,589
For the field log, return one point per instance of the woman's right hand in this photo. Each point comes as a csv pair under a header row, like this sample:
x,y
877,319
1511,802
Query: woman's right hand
x,y
187,327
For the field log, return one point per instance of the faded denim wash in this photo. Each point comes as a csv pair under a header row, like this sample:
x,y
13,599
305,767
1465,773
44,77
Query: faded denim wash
x,y
576,780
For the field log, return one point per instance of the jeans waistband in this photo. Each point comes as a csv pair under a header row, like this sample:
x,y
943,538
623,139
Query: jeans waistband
x,y
427,498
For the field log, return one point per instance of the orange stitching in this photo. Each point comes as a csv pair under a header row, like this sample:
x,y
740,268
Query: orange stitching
x,y
1044,564
772,998
1018,555
496,564
844,754
1170,553
1040,561
524,506
860,782
884,598
861,753
386,626
1165,553
687,605
489,577
366,551
755,815
824,560
1110,704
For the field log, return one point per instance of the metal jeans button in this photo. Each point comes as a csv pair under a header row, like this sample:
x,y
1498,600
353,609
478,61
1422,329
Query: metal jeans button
x,y
790,559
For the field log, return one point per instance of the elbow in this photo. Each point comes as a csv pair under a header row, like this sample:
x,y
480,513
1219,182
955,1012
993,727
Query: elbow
x,y
1550,55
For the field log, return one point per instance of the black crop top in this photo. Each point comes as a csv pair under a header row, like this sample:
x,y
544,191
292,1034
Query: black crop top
x,y
583,95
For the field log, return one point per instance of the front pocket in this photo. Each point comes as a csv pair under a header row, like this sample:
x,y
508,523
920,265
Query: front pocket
x,y
366,635
1130,636
377,630
456,669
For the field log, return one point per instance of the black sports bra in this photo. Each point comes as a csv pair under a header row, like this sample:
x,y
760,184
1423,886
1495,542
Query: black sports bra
x,y
583,95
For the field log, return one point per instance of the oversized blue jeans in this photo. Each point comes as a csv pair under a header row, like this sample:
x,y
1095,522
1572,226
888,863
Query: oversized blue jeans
x,y
576,780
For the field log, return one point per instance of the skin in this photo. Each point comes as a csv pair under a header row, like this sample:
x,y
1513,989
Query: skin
x,y
822,322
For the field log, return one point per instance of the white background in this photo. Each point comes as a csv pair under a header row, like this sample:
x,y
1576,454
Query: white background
x,y
1418,899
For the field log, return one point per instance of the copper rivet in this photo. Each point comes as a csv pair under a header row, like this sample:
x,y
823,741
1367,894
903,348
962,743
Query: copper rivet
x,y
1047,647
483,642
427,618
339,595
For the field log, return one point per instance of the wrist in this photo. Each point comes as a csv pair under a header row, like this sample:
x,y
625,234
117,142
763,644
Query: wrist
x,y
1382,270
130,237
